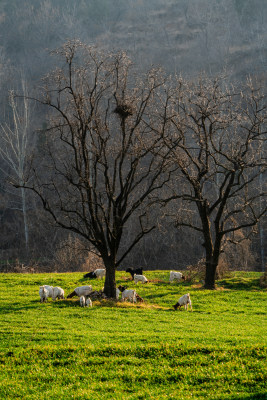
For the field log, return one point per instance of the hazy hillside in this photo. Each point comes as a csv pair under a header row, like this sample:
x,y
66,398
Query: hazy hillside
x,y
184,36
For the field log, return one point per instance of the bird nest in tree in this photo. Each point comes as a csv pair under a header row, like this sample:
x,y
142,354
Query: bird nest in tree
x,y
124,110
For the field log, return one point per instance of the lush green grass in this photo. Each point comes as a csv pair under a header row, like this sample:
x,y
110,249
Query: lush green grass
x,y
122,351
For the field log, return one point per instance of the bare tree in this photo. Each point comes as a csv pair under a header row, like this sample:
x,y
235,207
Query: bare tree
x,y
99,169
216,136
15,148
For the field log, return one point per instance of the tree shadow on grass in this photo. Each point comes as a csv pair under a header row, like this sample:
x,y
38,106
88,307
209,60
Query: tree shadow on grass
x,y
259,396
240,284
15,307
35,304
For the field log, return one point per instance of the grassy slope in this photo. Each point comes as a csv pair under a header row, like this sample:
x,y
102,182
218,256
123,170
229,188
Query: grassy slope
x,y
119,351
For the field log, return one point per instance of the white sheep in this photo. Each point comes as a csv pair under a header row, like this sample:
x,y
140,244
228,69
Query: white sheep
x,y
175,275
100,273
117,293
119,290
80,291
43,293
140,278
82,301
88,302
184,301
57,293
50,290
129,294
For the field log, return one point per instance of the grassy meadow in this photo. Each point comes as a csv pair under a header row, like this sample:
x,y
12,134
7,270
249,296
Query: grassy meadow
x,y
114,350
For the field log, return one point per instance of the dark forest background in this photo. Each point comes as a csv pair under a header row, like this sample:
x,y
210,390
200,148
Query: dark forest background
x,y
186,37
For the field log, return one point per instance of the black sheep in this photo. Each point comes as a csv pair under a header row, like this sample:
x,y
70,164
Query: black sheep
x,y
137,271
91,275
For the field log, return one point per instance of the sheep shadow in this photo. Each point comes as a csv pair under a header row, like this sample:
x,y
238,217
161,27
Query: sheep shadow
x,y
66,303
88,281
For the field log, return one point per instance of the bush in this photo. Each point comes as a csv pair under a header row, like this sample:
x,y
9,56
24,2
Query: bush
x,y
92,262
196,272
70,255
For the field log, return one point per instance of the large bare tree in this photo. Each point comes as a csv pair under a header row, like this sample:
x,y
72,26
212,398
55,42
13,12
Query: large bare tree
x,y
216,135
99,171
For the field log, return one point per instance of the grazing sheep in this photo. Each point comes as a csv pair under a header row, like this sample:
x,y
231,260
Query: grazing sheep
x,y
183,301
80,291
88,302
100,273
50,290
122,288
43,293
177,276
82,301
137,271
140,278
90,275
129,294
57,293
119,290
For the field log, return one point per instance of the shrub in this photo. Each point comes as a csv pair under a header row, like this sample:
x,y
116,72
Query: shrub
x,y
92,262
196,272
70,255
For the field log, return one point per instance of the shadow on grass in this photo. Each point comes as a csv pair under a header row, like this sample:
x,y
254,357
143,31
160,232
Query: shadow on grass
x,y
13,308
260,396
67,303
89,281
240,284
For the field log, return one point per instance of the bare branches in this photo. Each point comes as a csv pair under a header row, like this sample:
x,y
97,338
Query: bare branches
x,y
100,167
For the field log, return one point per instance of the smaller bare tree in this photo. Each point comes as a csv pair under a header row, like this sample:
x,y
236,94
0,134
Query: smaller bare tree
x,y
15,148
216,137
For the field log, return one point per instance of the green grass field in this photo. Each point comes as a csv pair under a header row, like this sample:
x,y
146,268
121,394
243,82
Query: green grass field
x,y
59,350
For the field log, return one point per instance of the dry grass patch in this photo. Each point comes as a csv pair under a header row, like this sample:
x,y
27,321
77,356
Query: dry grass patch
x,y
127,304
156,280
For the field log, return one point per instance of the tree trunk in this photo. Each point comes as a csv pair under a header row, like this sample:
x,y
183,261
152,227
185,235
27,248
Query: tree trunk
x,y
208,244
110,280
26,231
210,275
212,261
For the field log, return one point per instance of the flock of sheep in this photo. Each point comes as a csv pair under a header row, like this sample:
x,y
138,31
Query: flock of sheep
x,y
85,293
